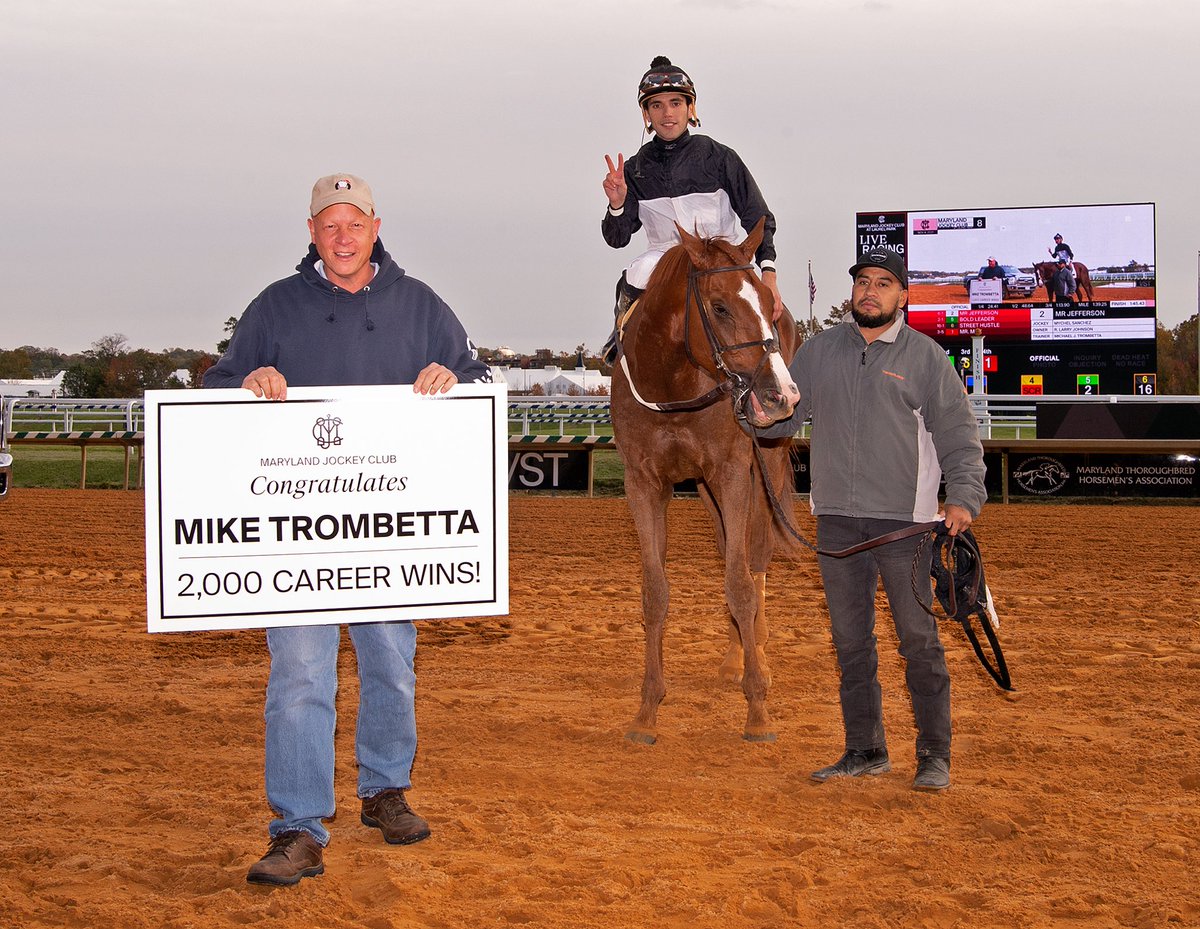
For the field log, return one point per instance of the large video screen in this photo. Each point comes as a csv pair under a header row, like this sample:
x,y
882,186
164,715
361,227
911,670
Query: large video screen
x,y
1084,324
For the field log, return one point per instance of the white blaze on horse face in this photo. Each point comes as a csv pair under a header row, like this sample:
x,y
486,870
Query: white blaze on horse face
x,y
782,376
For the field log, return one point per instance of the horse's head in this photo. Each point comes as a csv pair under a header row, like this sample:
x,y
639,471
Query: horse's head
x,y
728,331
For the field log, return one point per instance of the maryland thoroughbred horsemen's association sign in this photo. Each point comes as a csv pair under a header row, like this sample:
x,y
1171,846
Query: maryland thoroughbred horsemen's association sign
x,y
338,505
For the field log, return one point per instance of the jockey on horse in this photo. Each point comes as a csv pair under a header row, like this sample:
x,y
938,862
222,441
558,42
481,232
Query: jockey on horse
x,y
678,177
1062,255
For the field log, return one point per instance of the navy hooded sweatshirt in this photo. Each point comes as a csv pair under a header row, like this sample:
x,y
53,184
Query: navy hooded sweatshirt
x,y
317,334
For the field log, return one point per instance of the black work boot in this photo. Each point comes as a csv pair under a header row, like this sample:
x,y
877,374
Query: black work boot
x,y
933,773
856,763
625,297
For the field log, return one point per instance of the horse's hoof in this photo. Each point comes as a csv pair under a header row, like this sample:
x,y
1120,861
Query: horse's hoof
x,y
641,736
756,734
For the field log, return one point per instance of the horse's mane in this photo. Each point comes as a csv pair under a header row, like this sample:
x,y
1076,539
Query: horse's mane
x,y
675,263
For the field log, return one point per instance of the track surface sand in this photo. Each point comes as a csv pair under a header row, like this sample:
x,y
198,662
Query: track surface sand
x,y
132,763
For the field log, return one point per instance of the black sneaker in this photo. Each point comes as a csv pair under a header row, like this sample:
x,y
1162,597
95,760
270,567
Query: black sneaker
x,y
933,773
856,763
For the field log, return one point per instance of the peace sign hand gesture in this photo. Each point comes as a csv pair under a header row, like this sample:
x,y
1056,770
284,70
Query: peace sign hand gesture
x,y
614,182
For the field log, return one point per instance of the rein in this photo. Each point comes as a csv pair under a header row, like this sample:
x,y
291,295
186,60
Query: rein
x,y
737,385
957,569
777,507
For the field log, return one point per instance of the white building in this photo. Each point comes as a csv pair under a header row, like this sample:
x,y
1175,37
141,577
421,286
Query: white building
x,y
32,386
553,380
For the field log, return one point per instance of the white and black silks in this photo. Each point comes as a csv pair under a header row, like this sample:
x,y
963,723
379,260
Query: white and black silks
x,y
956,568
695,182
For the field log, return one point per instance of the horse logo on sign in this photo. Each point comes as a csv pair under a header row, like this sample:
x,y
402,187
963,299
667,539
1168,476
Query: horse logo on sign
x,y
1041,475
326,431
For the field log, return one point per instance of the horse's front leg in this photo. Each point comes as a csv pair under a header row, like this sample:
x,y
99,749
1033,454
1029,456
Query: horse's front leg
x,y
742,597
649,508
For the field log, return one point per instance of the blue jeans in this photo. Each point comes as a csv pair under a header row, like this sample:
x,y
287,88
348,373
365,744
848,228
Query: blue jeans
x,y
300,718
850,585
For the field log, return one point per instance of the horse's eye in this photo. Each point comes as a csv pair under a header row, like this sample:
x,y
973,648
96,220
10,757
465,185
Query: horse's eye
x,y
721,309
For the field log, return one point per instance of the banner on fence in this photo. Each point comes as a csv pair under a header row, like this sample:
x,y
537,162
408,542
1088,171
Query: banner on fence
x,y
549,469
346,504
1080,474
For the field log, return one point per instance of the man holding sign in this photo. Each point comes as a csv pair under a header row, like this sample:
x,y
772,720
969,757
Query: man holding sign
x,y
350,316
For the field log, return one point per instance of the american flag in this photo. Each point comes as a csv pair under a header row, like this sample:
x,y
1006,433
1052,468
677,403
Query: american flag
x,y
812,285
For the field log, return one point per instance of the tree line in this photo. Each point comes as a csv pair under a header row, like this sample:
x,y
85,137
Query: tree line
x,y
1177,357
110,368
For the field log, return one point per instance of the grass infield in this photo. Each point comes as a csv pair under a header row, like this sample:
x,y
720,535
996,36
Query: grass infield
x,y
58,466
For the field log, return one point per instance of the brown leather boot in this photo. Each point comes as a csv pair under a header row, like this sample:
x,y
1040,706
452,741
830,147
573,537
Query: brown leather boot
x,y
390,813
290,857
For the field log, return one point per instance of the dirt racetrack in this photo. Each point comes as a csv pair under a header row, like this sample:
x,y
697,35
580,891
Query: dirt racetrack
x,y
132,764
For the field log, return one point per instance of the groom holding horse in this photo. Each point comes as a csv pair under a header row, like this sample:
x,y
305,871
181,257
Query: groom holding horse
x,y
889,420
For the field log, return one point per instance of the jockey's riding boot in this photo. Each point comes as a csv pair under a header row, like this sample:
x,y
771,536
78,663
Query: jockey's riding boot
x,y
625,297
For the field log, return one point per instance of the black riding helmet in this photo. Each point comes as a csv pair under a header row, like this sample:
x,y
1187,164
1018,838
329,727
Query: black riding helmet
x,y
664,77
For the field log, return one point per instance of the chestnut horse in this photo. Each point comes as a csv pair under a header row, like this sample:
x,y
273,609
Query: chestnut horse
x,y
1045,270
697,353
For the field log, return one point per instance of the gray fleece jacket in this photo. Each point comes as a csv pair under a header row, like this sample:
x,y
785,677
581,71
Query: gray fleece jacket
x,y
889,420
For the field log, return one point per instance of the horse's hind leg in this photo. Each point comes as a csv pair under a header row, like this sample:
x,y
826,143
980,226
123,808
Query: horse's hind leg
x,y
649,509
743,604
762,547
754,679
734,662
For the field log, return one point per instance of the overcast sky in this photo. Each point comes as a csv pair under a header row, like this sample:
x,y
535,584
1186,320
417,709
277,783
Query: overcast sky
x,y
158,155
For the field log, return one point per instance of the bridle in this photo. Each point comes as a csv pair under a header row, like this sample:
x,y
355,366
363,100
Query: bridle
x,y
735,383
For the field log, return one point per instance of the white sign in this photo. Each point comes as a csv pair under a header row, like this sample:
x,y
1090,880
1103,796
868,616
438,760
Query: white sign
x,y
987,290
338,505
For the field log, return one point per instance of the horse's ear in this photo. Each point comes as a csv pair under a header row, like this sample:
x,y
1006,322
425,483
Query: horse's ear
x,y
750,246
692,244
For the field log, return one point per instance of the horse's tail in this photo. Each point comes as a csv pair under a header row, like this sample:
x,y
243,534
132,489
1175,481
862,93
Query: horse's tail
x,y
1084,280
714,512
781,478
